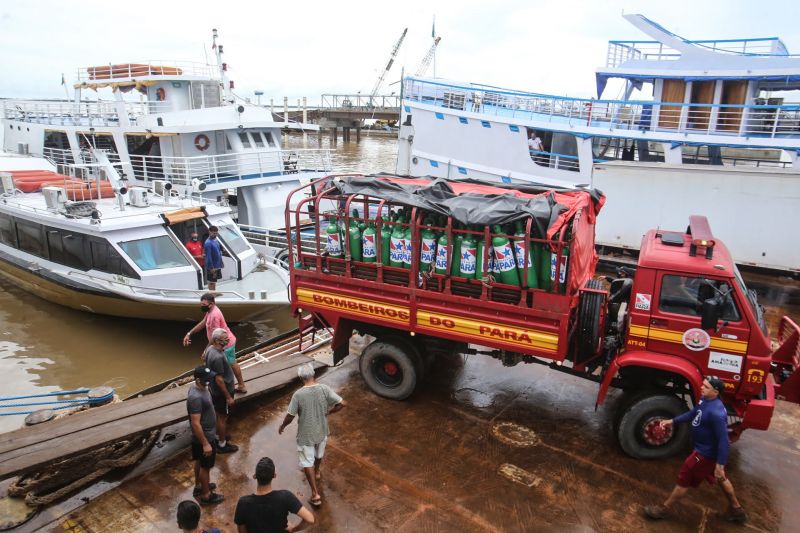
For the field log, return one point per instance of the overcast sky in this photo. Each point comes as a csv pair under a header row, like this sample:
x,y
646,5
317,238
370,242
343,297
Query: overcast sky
x,y
310,47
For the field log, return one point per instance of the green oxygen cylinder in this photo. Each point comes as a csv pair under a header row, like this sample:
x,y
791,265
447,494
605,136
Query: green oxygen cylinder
x,y
334,243
468,257
442,251
408,252
427,253
362,224
397,244
386,238
458,238
532,281
505,266
369,250
353,221
355,243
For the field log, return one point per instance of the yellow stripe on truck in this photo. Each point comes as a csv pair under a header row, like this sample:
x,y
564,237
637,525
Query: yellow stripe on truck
x,y
668,335
481,331
355,306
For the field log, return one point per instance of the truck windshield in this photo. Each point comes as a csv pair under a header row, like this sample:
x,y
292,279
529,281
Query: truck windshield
x,y
752,299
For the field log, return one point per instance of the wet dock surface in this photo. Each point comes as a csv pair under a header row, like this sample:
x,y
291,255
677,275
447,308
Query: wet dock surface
x,y
479,447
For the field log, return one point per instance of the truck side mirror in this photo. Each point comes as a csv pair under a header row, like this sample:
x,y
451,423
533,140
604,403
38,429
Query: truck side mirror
x,y
710,314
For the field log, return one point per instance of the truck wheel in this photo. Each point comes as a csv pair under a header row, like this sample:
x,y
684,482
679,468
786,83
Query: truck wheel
x,y
389,370
589,311
638,432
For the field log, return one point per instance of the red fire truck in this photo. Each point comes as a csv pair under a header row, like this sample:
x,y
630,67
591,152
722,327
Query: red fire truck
x,y
683,313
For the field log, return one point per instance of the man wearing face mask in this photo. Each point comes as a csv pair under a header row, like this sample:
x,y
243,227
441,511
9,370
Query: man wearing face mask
x,y
195,249
213,319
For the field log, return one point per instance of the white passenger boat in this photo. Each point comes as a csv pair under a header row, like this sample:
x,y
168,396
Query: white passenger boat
x,y
174,122
184,155
94,244
701,127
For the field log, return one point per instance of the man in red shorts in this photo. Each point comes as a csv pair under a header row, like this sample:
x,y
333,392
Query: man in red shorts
x,y
707,461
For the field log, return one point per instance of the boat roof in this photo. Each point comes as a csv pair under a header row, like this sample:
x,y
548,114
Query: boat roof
x,y
672,56
33,206
143,74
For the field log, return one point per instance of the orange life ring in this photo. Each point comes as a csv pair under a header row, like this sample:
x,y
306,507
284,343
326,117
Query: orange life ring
x,y
161,94
202,142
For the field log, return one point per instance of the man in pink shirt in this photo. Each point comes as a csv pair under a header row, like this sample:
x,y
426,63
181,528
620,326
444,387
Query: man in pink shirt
x,y
213,319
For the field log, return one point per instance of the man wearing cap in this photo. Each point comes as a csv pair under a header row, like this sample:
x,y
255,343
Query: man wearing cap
x,y
222,387
204,435
707,461
267,510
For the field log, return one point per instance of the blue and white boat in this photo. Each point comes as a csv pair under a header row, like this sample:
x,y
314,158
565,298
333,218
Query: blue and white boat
x,y
703,126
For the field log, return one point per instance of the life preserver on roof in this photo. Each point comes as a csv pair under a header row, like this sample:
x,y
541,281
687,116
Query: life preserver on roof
x,y
161,94
202,142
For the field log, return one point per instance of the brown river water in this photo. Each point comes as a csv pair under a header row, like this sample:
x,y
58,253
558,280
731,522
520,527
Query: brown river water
x,y
45,347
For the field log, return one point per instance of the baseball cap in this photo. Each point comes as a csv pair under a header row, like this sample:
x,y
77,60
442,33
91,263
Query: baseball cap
x,y
717,383
203,373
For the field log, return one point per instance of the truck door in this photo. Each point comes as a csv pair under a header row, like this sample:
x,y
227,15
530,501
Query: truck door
x,y
675,326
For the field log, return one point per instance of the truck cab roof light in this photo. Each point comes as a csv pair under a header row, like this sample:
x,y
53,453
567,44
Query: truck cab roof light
x,y
701,234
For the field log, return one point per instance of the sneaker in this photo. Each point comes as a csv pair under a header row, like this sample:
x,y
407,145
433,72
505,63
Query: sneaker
x,y
655,512
197,490
734,514
228,448
212,499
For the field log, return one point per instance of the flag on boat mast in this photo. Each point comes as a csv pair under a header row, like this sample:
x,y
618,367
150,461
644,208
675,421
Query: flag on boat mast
x,y
433,28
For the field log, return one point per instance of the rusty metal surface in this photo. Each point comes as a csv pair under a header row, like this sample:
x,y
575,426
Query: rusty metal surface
x,y
478,448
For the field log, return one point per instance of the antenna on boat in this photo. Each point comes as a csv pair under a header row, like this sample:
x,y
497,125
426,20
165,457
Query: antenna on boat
x,y
223,67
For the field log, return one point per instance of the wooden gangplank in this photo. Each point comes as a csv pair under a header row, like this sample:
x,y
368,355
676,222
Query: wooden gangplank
x,y
33,448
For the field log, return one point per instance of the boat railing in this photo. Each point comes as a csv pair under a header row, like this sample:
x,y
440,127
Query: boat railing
x,y
621,51
765,118
146,69
276,238
84,113
211,169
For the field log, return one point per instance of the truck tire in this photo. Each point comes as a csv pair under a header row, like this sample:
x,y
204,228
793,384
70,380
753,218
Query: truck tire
x,y
389,370
589,311
637,432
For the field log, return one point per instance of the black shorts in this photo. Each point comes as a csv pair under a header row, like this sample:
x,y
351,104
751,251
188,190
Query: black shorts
x,y
214,274
220,405
206,461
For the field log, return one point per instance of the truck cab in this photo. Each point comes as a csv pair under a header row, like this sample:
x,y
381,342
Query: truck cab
x,y
690,315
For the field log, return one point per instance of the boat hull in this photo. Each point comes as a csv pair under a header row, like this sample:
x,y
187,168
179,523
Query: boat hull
x,y
92,300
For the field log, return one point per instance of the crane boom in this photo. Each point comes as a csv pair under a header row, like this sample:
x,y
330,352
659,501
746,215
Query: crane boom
x,y
426,61
389,64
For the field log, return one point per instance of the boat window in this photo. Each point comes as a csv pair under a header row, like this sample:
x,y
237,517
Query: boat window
x,y
97,141
233,239
258,140
75,251
7,234
270,140
106,259
245,139
55,245
154,253
622,149
30,238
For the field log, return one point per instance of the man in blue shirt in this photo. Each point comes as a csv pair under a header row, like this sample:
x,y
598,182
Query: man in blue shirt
x,y
213,257
710,455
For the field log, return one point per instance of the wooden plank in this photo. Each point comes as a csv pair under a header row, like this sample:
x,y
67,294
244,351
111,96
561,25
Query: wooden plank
x,y
63,427
43,454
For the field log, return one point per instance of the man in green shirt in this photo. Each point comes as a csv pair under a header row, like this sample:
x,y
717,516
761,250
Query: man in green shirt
x,y
312,403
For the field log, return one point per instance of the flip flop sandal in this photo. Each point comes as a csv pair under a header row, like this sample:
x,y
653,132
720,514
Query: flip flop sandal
x,y
196,492
316,502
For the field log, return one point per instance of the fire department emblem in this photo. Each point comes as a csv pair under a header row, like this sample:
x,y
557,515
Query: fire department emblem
x,y
696,339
